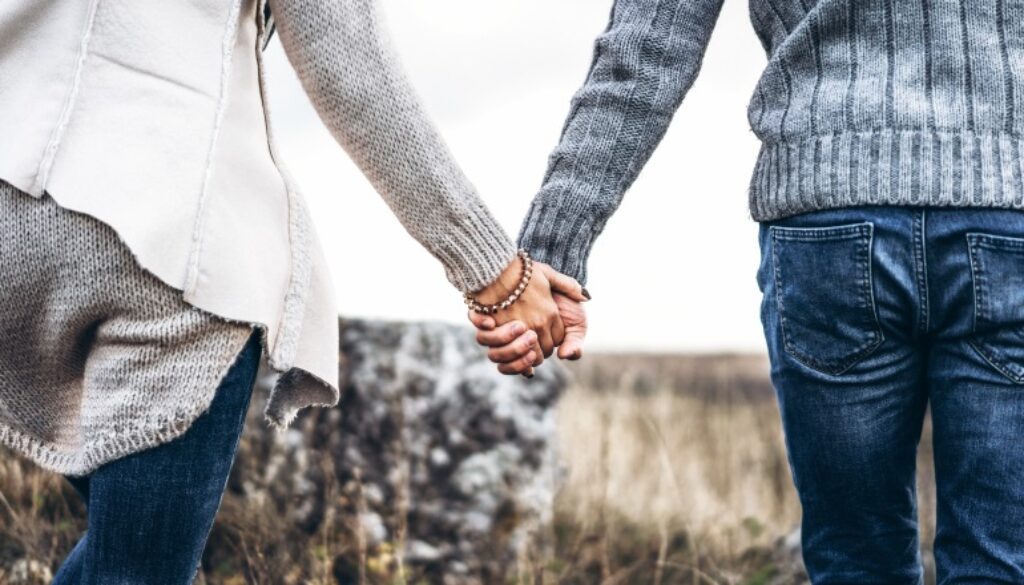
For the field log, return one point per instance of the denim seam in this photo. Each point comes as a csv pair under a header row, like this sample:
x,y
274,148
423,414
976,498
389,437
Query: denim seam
x,y
979,300
921,270
866,278
811,234
992,359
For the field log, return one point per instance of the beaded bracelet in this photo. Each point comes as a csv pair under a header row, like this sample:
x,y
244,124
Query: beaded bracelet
x,y
524,281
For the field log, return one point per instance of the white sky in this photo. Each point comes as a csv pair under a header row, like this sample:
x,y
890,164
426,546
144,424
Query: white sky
x,y
674,268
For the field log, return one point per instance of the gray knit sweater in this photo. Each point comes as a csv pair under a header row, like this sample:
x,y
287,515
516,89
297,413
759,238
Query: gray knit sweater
x,y
866,102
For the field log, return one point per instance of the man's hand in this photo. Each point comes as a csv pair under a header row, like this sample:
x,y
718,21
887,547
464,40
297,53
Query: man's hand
x,y
574,319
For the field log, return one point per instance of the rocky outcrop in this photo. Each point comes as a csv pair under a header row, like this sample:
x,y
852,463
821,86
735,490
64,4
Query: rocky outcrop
x,y
434,466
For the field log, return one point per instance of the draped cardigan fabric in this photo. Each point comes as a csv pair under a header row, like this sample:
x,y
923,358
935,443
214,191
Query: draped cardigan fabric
x,y
202,202
151,117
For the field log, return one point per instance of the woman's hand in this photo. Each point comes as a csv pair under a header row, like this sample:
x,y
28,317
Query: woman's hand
x,y
522,335
535,308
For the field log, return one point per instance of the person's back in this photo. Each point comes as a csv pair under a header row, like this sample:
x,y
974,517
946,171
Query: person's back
x,y
889,194
860,102
888,102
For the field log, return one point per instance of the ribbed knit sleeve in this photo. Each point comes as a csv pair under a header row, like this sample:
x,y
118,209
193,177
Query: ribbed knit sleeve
x,y
347,65
643,64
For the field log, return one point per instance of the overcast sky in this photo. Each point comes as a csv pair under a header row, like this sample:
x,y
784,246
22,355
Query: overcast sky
x,y
674,268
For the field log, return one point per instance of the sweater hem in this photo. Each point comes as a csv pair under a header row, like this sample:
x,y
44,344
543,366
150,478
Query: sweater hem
x,y
294,390
888,167
559,237
114,446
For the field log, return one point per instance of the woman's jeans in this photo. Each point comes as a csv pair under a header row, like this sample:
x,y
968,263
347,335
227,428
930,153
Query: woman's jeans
x,y
871,314
150,513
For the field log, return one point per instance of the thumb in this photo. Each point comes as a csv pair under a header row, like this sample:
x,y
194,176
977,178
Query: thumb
x,y
566,285
572,345
574,317
483,322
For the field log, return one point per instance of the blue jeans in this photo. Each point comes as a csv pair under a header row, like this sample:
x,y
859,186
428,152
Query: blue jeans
x,y
871,314
151,512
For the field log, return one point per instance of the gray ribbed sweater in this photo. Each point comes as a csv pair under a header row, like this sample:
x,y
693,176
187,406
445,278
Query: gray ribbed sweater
x,y
865,102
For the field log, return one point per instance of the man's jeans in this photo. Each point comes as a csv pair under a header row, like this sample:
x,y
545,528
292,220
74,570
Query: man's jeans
x,y
871,314
150,513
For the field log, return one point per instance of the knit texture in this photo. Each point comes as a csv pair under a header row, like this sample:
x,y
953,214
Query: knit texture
x,y
866,102
343,57
100,358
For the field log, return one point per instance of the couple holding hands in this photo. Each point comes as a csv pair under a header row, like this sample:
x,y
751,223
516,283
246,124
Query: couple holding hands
x,y
888,191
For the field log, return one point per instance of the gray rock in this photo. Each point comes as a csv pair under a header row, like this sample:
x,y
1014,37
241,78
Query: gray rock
x,y
442,459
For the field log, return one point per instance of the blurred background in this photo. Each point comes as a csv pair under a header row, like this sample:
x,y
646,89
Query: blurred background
x,y
657,459
497,78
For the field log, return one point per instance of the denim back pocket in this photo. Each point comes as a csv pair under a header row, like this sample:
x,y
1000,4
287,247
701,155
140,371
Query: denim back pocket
x,y
997,271
824,294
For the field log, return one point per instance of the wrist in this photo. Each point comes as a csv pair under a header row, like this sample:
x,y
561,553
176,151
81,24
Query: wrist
x,y
503,286
490,300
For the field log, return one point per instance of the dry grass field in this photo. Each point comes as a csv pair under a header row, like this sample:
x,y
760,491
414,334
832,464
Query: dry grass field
x,y
676,468
674,473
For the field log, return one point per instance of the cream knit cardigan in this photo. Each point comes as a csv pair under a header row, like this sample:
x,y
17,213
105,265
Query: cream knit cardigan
x,y
150,116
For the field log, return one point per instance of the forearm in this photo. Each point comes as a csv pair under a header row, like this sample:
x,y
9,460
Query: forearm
x,y
643,65
344,58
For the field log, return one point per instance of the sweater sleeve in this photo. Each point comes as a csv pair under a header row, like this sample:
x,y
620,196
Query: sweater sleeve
x,y
351,73
643,65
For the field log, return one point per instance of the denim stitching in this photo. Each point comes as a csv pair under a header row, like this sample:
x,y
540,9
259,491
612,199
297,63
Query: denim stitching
x,y
921,270
972,251
877,335
993,360
811,234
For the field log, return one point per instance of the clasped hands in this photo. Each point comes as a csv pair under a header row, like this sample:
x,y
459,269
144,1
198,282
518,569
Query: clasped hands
x,y
547,316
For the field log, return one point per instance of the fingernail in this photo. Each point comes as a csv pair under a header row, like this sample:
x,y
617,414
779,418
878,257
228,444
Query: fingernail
x,y
586,293
518,328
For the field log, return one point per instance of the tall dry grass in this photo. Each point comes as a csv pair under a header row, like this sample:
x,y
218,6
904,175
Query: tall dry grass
x,y
676,472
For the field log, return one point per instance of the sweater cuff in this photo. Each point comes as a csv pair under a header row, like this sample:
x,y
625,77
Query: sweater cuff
x,y
476,252
559,236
